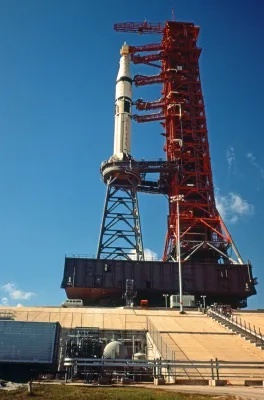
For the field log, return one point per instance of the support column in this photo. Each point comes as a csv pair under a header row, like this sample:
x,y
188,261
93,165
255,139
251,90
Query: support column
x,y
120,236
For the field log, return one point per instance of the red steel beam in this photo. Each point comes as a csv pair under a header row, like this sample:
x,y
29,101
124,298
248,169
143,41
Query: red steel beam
x,y
182,113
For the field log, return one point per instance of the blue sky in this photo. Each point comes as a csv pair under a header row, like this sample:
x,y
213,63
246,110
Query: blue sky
x,y
58,64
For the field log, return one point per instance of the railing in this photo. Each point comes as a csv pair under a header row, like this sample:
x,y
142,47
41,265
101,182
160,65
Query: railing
x,y
213,369
93,257
239,323
89,256
238,369
167,353
7,315
163,348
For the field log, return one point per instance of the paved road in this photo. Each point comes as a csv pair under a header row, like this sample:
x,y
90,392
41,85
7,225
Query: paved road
x,y
248,393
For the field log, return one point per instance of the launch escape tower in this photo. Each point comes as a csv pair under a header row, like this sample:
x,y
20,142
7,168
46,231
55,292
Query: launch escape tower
x,y
196,234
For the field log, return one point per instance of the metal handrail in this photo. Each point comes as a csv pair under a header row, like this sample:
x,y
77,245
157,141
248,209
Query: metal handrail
x,y
160,344
171,368
93,257
163,348
241,324
7,314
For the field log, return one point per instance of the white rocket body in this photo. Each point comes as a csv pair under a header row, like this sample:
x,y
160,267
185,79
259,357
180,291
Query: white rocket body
x,y
123,105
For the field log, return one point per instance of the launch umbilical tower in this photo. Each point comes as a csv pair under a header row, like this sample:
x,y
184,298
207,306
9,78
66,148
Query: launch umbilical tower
x,y
203,235
200,258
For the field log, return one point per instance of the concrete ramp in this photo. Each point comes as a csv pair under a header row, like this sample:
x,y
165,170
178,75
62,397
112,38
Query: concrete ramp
x,y
194,337
103,318
189,338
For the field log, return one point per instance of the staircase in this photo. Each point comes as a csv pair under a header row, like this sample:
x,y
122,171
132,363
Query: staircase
x,y
236,325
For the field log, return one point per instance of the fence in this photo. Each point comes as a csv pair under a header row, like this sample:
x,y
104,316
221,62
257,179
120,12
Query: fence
x,y
196,370
239,323
163,348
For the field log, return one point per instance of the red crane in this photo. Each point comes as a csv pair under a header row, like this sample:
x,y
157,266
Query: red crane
x,y
203,237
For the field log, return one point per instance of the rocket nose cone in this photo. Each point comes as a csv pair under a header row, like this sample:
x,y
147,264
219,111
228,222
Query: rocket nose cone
x,y
124,69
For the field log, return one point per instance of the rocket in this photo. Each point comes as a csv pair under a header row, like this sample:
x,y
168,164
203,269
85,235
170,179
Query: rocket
x,y
115,170
123,106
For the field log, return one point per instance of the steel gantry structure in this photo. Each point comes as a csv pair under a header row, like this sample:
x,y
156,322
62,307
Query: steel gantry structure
x,y
200,258
181,111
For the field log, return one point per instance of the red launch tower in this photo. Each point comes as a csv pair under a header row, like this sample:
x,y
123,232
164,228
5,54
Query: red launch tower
x,y
203,235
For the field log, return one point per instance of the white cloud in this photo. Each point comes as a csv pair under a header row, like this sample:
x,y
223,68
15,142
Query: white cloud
x,y
251,157
253,161
230,158
4,301
149,255
232,207
15,293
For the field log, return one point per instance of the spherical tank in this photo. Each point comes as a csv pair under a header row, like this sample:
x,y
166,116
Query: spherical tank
x,y
115,349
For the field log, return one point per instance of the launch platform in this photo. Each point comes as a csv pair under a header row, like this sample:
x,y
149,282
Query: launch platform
x,y
200,257
103,282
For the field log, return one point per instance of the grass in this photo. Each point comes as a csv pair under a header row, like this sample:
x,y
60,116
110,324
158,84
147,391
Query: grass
x,y
62,392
